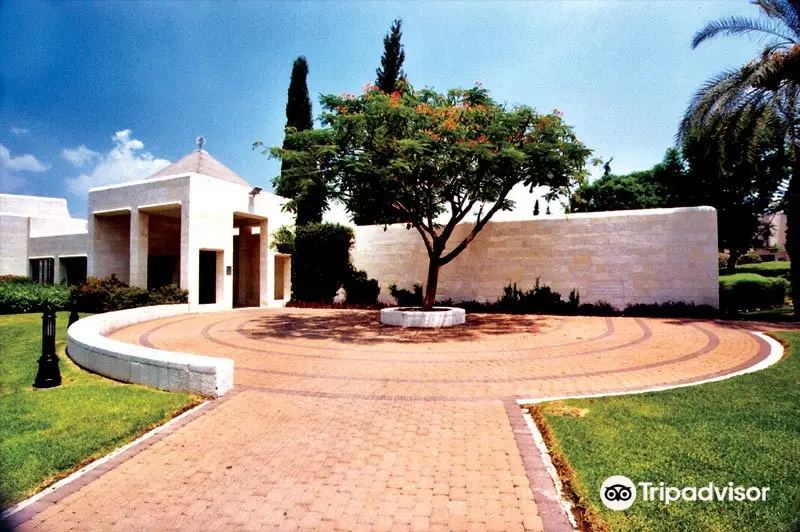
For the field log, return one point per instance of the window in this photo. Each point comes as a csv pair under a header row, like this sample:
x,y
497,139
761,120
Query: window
x,y
43,270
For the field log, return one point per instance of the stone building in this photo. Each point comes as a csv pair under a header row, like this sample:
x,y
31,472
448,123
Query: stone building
x,y
195,223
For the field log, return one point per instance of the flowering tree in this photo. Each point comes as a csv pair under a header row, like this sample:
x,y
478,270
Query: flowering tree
x,y
438,159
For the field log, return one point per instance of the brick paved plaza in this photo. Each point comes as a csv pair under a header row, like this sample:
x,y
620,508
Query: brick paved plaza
x,y
339,423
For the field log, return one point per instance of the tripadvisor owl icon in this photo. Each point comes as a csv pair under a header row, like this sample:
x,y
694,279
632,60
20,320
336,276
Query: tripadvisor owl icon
x,y
618,492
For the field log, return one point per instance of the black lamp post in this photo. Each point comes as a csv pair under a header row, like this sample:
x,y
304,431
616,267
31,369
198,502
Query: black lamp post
x,y
48,375
73,315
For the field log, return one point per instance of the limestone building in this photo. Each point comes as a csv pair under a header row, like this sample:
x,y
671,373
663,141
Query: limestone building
x,y
195,223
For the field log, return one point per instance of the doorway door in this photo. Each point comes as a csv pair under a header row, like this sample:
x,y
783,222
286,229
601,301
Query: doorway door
x,y
207,292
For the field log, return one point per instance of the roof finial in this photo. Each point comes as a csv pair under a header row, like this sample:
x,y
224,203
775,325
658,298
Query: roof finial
x,y
201,141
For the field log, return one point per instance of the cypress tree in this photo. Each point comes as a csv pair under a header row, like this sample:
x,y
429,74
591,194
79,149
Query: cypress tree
x,y
536,208
391,70
298,106
297,181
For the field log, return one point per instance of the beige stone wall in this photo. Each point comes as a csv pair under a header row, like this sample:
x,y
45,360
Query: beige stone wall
x,y
13,244
623,258
24,219
35,206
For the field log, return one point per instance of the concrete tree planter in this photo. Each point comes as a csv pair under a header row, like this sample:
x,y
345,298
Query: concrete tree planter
x,y
413,317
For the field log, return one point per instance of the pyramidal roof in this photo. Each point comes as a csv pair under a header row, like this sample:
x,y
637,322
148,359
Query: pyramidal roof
x,y
201,162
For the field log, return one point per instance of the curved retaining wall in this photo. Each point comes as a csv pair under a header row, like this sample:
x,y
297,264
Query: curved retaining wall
x,y
167,370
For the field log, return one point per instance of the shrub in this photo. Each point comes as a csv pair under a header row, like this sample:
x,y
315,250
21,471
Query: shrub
x,y
17,297
109,293
168,295
128,297
671,309
749,258
360,290
321,261
541,299
94,295
750,291
723,260
5,279
282,240
407,298
601,308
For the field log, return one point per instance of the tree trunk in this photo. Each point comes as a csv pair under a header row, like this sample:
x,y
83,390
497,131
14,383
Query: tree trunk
x,y
432,283
793,230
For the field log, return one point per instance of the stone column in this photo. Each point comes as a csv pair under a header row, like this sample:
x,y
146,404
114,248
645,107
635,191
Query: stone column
x,y
140,229
265,289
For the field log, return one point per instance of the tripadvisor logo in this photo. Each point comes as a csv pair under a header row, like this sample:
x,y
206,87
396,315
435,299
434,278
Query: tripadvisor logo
x,y
619,493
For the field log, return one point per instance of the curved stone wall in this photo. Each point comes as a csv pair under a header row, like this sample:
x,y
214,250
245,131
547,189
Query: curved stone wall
x,y
175,372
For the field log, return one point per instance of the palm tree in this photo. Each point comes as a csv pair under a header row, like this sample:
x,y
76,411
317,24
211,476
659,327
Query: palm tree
x,y
745,105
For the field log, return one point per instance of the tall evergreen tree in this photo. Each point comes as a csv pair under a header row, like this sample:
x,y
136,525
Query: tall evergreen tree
x,y
536,208
391,70
298,106
299,179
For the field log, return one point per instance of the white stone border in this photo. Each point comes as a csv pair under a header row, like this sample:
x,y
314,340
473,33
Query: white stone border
x,y
97,463
448,317
775,354
167,370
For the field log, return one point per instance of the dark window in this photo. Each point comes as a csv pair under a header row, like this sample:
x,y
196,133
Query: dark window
x,y
42,270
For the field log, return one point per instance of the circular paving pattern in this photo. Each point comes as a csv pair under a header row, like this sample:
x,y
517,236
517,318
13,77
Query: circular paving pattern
x,y
330,353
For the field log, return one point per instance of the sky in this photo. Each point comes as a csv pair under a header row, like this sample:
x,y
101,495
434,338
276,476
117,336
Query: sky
x,y
94,93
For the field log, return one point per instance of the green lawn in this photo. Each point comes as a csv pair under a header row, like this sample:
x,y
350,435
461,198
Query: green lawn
x,y
770,269
46,434
744,430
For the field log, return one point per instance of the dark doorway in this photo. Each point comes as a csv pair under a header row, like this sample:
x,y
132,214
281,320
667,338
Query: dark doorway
x,y
73,270
162,271
208,277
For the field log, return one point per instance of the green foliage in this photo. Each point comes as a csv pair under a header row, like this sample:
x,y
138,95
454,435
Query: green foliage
x,y
749,258
671,309
321,261
407,298
768,269
755,105
541,299
283,240
298,104
743,430
22,295
750,291
128,297
299,180
391,70
419,154
106,294
168,295
359,289
48,434
15,279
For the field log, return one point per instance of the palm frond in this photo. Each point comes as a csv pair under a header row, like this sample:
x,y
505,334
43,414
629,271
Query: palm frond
x,y
743,25
786,11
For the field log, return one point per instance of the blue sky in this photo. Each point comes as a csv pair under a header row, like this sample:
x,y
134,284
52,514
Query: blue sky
x,y
93,93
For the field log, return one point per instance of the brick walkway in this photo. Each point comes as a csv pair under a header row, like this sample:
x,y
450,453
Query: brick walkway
x,y
338,423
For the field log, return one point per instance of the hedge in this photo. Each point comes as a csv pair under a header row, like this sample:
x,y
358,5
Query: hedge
x,y
321,265
750,291
109,293
18,297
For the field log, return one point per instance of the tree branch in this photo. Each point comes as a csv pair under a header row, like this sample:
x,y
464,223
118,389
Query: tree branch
x,y
475,230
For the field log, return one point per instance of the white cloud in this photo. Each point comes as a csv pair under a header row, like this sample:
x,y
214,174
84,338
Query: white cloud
x,y
19,163
80,155
11,168
19,131
126,161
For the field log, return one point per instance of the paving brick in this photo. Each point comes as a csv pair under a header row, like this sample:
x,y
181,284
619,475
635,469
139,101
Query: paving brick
x,y
339,423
